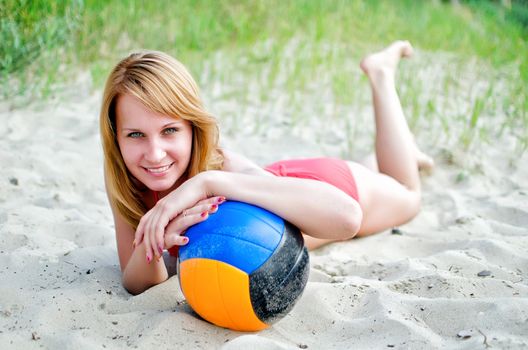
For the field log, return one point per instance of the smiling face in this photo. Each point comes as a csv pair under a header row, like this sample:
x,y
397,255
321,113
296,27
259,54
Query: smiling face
x,y
156,148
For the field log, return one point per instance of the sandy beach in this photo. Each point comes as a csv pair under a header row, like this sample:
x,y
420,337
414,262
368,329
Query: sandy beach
x,y
455,277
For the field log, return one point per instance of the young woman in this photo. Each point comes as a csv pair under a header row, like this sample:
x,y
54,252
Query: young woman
x,y
165,171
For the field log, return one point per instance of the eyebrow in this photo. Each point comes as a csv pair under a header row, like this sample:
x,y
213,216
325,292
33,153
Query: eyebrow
x,y
175,123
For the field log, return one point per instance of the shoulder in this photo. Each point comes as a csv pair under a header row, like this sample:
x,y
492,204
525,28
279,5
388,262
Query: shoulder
x,y
237,163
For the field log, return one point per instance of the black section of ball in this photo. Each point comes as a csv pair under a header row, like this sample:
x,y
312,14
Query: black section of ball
x,y
276,286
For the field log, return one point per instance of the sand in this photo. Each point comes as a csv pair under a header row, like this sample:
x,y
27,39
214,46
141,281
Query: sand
x,y
454,277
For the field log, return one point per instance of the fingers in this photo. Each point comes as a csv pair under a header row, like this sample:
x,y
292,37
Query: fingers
x,y
212,200
210,205
178,226
158,231
151,229
175,239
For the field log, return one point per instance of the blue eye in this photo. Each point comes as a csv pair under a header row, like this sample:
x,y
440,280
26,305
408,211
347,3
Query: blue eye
x,y
135,134
169,131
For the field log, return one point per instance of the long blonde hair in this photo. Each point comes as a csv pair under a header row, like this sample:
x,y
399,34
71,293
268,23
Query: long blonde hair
x,y
165,86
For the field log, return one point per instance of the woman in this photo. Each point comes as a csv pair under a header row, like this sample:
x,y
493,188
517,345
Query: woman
x,y
165,171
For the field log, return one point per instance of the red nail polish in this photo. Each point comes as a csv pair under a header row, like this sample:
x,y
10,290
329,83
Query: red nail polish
x,y
214,206
185,239
160,249
221,200
148,259
203,214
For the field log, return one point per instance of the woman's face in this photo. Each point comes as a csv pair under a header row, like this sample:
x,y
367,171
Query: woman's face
x,y
156,148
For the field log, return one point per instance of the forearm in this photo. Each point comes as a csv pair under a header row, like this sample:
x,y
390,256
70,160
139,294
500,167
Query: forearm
x,y
316,208
138,275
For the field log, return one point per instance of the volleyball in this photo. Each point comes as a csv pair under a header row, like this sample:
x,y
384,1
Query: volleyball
x,y
243,268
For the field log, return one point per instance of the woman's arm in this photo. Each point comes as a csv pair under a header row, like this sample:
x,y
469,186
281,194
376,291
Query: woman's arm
x,y
141,270
138,275
316,208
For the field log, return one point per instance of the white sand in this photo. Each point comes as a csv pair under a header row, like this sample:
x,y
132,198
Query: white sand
x,y
61,281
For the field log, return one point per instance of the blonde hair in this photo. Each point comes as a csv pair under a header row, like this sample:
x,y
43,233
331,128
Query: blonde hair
x,y
165,86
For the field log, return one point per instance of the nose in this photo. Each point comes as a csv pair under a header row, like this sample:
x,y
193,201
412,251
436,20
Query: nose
x,y
155,152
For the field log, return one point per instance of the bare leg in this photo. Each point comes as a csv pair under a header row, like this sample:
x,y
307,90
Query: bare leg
x,y
380,67
392,196
424,162
388,187
395,147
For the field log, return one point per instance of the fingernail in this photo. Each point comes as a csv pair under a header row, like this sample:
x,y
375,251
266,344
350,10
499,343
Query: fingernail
x,y
185,239
204,214
221,200
160,249
214,206
148,258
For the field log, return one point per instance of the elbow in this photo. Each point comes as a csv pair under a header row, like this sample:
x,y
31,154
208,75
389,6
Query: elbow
x,y
132,288
351,218
135,287
130,284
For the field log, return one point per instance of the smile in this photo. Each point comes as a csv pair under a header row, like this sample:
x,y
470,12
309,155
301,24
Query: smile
x,y
158,170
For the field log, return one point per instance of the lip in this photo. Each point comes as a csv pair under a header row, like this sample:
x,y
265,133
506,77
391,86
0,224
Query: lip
x,y
158,171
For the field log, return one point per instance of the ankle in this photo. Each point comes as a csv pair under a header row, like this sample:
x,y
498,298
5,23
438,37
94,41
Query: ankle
x,y
381,78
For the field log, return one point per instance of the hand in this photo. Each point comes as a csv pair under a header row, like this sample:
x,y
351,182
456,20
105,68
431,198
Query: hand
x,y
200,212
152,226
173,232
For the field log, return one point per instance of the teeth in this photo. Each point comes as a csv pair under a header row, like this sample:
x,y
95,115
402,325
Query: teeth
x,y
158,170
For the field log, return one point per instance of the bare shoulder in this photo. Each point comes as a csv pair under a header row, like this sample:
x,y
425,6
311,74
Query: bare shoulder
x,y
237,163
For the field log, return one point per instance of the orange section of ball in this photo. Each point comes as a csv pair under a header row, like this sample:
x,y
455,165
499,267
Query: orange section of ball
x,y
224,299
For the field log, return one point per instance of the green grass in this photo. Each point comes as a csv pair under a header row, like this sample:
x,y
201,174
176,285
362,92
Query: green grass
x,y
32,33
299,48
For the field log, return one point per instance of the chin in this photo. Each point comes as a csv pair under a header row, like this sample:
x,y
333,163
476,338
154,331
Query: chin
x,y
162,185
158,186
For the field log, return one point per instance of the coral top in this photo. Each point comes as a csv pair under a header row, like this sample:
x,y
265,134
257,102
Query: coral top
x,y
333,171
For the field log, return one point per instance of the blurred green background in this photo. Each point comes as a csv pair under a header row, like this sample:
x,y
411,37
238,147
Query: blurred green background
x,y
283,47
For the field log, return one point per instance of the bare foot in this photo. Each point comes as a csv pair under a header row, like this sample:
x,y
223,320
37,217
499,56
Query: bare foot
x,y
425,162
382,64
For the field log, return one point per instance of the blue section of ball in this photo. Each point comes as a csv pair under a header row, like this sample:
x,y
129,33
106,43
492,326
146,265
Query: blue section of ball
x,y
238,234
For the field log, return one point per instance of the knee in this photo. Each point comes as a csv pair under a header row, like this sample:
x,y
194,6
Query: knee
x,y
352,220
